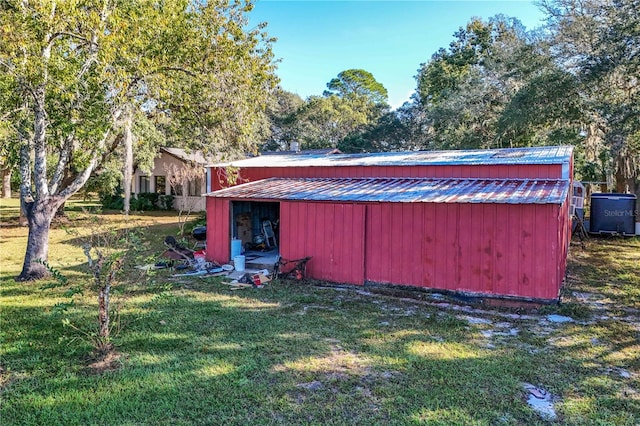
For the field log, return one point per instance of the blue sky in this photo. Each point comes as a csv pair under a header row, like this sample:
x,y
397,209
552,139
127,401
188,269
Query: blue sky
x,y
390,39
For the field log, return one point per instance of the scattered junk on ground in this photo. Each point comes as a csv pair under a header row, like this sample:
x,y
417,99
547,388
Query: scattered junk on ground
x,y
255,279
192,262
295,269
199,234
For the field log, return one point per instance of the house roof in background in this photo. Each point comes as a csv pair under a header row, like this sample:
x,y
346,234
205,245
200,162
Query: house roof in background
x,y
326,151
401,190
532,155
192,156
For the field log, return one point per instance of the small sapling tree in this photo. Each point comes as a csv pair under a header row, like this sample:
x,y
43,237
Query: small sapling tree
x,y
108,251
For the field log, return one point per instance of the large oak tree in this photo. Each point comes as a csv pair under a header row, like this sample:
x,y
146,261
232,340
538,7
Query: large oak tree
x,y
75,73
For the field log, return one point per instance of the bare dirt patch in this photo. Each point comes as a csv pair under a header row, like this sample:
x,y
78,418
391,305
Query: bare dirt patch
x,y
105,362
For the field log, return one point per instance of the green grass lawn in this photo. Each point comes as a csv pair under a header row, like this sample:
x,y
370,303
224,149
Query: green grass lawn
x,y
191,351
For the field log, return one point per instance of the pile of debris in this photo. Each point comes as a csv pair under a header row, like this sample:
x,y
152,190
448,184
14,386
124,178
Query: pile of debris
x,y
247,279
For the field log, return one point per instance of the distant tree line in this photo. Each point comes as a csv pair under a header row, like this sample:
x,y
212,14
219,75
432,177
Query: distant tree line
x,y
575,81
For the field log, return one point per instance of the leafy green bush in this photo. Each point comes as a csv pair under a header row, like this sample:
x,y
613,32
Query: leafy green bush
x,y
148,201
111,201
165,202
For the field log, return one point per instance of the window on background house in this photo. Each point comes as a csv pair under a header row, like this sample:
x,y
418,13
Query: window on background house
x,y
194,187
161,182
144,184
176,189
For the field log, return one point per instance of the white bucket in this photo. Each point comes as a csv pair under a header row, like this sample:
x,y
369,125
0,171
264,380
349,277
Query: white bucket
x,y
238,263
236,248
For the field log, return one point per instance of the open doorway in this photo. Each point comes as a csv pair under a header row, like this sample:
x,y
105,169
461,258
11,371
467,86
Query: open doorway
x,y
256,224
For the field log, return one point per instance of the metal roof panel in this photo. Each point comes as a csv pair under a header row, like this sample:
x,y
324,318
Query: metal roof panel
x,y
402,190
530,155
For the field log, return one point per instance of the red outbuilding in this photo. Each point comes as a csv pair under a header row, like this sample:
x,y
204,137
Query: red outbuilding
x,y
483,222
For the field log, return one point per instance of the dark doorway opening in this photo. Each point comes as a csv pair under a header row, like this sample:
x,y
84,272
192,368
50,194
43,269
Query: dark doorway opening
x,y
257,225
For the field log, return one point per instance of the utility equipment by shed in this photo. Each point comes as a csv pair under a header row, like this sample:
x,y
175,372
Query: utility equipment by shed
x,y
485,222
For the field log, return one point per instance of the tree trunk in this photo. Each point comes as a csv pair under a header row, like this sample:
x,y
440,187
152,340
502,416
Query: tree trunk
x,y
128,163
103,315
39,215
6,182
60,211
22,220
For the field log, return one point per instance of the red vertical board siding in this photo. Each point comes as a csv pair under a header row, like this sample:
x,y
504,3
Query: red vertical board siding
x,y
465,239
428,244
450,223
488,248
555,254
542,247
333,234
386,223
417,232
564,237
395,232
537,262
551,250
409,256
480,248
218,231
373,258
518,250
501,249
475,228
527,251
440,247
513,248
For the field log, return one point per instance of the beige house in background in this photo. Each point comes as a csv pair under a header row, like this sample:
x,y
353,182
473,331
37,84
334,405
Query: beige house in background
x,y
188,196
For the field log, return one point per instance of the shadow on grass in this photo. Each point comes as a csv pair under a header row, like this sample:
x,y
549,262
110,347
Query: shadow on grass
x,y
294,354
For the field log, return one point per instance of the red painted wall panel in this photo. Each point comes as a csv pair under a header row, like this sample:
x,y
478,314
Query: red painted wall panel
x,y
517,250
479,248
333,234
218,230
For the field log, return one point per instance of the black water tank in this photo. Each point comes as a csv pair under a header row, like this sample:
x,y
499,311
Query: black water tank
x,y
613,214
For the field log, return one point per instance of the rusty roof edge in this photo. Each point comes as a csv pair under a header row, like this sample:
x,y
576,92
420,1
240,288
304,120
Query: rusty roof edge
x,y
444,190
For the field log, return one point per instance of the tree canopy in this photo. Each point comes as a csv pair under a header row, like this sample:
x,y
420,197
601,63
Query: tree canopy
x,y
75,73
354,83
354,101
597,41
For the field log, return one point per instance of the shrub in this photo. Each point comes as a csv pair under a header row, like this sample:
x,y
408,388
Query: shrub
x,y
148,201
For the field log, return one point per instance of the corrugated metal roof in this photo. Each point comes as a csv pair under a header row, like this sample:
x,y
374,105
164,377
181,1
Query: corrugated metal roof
x,y
400,190
532,155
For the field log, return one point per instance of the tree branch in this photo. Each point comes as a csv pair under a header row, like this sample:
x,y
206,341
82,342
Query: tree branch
x,y
82,178
6,115
179,69
61,34
25,172
39,144
63,160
